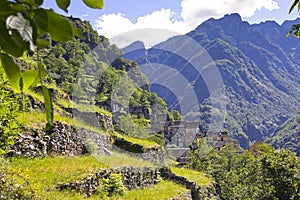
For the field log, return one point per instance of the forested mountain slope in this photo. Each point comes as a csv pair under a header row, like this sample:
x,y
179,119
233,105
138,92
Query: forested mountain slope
x,y
259,69
91,71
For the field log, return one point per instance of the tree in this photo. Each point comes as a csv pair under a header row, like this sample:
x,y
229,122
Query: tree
x,y
24,26
274,174
296,27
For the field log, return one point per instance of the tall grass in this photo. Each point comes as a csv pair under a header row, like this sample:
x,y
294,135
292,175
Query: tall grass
x,y
145,143
192,175
119,160
163,190
44,174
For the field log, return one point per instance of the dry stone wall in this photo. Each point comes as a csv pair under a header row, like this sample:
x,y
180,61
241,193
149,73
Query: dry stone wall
x,y
95,119
212,192
132,178
62,139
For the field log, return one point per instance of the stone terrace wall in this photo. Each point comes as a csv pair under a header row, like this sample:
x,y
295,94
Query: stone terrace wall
x,y
133,178
95,119
197,192
62,139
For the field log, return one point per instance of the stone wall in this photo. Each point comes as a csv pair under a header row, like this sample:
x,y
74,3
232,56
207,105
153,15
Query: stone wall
x,y
95,119
197,192
62,139
153,155
132,177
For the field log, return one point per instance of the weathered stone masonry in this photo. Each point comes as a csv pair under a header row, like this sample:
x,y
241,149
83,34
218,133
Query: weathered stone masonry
x,y
132,177
62,139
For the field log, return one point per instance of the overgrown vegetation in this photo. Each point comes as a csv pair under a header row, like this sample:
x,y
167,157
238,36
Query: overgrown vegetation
x,y
10,106
271,174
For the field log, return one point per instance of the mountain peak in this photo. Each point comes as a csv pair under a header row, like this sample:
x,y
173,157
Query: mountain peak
x,y
137,45
228,18
232,17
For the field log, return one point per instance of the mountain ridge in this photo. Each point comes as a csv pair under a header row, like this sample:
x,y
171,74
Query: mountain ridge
x,y
259,72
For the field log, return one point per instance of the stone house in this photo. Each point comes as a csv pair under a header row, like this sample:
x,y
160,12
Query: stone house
x,y
116,107
159,123
180,133
111,105
217,139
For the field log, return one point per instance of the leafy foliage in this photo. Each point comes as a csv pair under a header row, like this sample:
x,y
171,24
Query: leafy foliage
x,y
9,109
272,174
296,27
113,185
23,27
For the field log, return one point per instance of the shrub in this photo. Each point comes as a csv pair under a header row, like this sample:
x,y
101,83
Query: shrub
x,y
8,113
113,185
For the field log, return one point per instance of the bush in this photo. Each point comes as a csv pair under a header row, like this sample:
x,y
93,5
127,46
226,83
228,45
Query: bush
x,y
113,185
8,112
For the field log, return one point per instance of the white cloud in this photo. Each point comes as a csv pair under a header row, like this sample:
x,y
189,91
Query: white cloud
x,y
193,12
113,24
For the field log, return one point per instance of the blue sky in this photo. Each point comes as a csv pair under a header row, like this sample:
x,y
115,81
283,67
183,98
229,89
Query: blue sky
x,y
179,16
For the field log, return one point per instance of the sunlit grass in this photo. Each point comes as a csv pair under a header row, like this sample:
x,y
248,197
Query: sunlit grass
x,y
163,190
40,98
44,174
37,120
119,160
192,175
145,143
67,103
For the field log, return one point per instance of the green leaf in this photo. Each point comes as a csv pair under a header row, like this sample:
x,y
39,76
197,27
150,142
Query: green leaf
x,y
48,107
94,3
12,71
42,73
78,32
12,43
29,78
56,25
63,4
39,2
42,43
293,5
6,9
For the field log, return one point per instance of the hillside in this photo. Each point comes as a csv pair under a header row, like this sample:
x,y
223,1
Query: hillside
x,y
258,67
287,135
88,153
99,146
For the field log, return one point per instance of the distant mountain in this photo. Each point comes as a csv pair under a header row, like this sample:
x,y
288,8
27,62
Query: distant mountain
x,y
259,69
